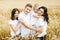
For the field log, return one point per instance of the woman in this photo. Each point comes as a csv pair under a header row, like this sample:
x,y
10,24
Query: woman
x,y
41,22
13,23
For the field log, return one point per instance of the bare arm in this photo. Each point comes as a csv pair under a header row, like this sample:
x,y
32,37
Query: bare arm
x,y
28,26
11,26
40,29
36,16
16,28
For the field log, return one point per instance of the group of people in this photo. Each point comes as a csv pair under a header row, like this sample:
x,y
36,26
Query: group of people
x,y
31,20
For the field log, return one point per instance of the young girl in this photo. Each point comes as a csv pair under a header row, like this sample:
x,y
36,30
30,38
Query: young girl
x,y
13,23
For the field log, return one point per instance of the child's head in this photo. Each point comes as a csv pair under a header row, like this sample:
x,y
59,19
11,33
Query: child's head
x,y
14,14
28,8
35,7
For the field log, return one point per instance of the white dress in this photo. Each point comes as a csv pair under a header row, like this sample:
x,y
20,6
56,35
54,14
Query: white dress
x,y
14,23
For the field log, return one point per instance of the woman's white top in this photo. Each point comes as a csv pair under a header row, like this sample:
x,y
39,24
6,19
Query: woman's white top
x,y
41,22
26,17
14,23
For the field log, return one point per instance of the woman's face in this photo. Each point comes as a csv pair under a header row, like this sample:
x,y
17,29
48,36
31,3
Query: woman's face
x,y
16,14
40,12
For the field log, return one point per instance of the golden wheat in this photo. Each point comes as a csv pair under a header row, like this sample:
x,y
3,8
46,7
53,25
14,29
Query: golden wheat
x,y
53,29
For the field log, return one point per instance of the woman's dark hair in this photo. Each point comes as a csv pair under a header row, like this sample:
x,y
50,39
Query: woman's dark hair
x,y
13,12
45,14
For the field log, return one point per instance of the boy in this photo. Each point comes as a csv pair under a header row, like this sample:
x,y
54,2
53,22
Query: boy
x,y
25,18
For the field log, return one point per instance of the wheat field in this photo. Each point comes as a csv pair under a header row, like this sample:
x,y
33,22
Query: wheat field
x,y
53,29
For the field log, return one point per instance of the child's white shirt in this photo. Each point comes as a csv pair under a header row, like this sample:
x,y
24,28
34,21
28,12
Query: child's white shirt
x,y
14,23
33,21
26,17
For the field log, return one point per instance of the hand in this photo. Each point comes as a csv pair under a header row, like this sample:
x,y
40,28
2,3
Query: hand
x,y
21,21
38,30
36,16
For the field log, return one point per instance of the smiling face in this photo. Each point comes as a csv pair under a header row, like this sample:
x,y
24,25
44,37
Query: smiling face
x,y
27,10
40,11
16,14
35,7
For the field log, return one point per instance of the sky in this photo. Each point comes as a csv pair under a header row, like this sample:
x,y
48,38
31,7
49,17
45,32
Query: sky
x,y
5,4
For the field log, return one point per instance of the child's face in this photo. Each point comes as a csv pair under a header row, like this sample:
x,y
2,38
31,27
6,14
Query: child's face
x,y
16,14
27,10
35,9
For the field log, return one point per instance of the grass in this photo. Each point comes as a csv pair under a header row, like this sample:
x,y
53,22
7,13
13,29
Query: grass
x,y
53,29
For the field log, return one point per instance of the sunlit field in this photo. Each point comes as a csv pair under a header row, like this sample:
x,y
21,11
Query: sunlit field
x,y
53,29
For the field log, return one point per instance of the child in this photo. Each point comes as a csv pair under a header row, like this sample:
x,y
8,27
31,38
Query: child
x,y
25,16
13,23
33,14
